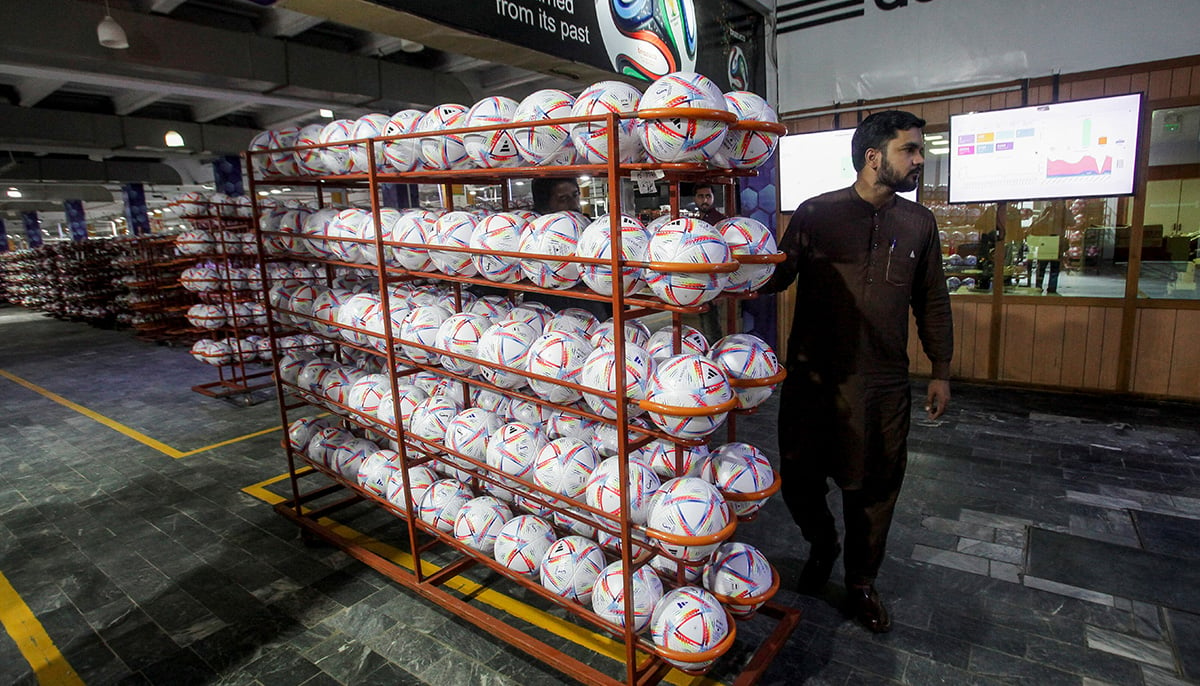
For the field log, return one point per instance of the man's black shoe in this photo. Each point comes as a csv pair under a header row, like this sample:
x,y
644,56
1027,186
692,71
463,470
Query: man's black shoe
x,y
863,603
816,571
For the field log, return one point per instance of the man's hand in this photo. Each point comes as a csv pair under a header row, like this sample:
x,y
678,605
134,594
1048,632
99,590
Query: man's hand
x,y
937,398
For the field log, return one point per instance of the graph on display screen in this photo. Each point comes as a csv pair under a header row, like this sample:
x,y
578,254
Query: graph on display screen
x,y
1062,150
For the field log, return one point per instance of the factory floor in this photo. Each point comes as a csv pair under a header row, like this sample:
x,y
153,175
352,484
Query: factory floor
x,y
1041,538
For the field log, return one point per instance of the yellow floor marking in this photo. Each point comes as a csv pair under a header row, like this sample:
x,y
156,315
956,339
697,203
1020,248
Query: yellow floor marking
x,y
121,428
576,633
49,666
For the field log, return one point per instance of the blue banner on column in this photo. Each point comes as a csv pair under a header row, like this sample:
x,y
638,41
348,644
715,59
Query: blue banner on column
x,y
33,229
759,197
401,196
135,209
76,219
3,237
227,175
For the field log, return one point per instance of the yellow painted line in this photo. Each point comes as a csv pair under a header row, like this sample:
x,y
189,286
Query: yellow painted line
x,y
576,633
121,428
49,666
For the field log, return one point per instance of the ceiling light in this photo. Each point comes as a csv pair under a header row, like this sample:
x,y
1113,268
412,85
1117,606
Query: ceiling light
x,y
173,139
14,192
110,33
276,191
410,45
262,192
325,112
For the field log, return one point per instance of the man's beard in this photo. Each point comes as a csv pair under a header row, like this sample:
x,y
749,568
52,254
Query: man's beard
x,y
899,183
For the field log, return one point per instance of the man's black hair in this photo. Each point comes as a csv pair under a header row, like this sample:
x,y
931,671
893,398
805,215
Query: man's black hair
x,y
696,188
877,130
543,190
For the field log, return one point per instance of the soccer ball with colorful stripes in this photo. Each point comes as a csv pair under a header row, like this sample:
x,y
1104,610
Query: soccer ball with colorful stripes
x,y
460,334
592,138
523,542
691,340
688,506
367,126
596,242
420,478
557,234
600,373
547,144
376,470
689,381
367,392
689,620
480,521
513,450
468,433
497,233
739,468
454,230
443,150
747,148
335,152
738,570
570,568
683,139
661,456
431,418
507,344
745,356
402,154
496,147
604,488
559,356
747,236
441,503
690,241
309,161
418,227
349,456
608,595
564,466
420,327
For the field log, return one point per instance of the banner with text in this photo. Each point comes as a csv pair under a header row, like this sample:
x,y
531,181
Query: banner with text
x,y
643,39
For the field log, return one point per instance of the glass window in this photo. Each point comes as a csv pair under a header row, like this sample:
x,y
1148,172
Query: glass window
x,y
1171,226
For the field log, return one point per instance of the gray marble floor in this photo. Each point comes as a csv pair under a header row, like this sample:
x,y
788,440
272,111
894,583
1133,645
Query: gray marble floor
x,y
1041,539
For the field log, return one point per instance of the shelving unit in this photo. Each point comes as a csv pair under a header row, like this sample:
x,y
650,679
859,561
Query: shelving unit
x,y
311,503
157,301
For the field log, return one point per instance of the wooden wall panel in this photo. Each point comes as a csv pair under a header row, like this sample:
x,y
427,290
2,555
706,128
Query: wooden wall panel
x,y
1016,341
1074,346
1110,350
964,338
1154,339
1185,356
1181,82
1048,325
983,340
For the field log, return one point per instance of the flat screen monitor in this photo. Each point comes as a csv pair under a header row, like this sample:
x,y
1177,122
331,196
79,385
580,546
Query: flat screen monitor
x,y
814,163
1064,150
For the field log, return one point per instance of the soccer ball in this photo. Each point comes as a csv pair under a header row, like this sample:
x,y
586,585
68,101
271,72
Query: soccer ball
x,y
605,439
444,150
367,126
739,468
309,161
600,372
592,138
205,316
199,279
349,456
559,356
743,356
480,521
604,488
689,619
454,230
691,340
738,570
496,233
532,313
513,450
409,396
595,241
460,334
746,149
416,226
688,506
564,465
549,143
608,595
325,443
574,319
530,412
431,418
746,236
488,399
689,381
313,372
635,332
495,148
523,542
556,233
689,241
683,139
335,154
468,433
376,471
421,326
507,344
494,307
354,222
660,455
441,503
646,40
420,478
194,242
671,569
570,568
301,431
316,233
403,154
367,393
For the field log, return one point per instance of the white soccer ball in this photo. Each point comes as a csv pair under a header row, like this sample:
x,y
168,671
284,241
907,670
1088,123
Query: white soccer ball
x,y
309,160
194,242
497,233
454,230
367,392
443,150
688,381
460,334
367,126
301,431
600,372
739,468
605,439
604,488
316,233
352,223
559,356
564,466
402,154
690,241
688,506
691,340
507,344
570,568
200,279
480,521
376,471
608,595
420,478
488,399
744,356
592,138
744,148
407,399
441,503
574,320
635,332
513,450
530,312
335,153
206,316
557,234
689,620
420,327
416,227
530,412
746,236
595,242
349,456
494,307
683,139
431,418
738,570
335,385
661,457
523,542
325,443
494,148
549,143
311,374
470,430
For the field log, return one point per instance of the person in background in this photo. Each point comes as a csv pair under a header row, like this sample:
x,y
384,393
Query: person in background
x,y
710,320
555,195
1045,234
862,257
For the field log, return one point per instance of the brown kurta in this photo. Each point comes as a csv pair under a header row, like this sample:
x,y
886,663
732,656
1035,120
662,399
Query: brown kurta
x,y
858,271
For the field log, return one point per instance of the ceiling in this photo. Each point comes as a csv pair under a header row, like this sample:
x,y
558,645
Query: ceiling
x,y
81,119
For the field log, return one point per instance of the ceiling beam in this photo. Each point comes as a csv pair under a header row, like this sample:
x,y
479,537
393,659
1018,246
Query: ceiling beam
x,y
209,110
132,101
33,90
281,23
164,6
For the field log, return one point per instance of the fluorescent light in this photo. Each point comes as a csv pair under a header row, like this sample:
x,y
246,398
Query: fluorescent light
x,y
939,151
276,191
173,139
934,137
327,113
263,192
13,192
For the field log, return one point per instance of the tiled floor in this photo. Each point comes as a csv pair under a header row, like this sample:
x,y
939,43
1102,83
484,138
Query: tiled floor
x,y
1041,539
